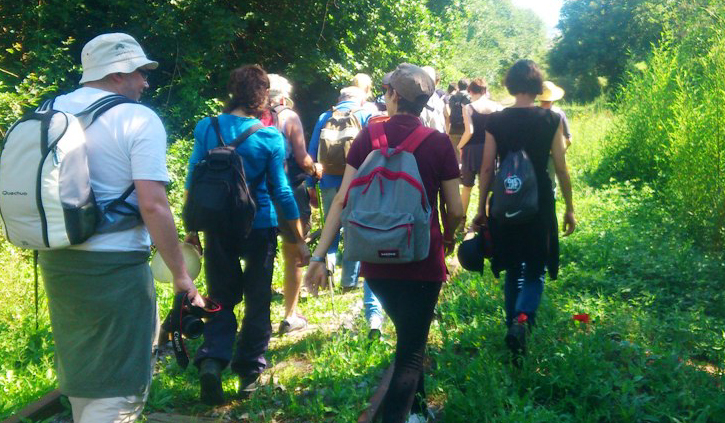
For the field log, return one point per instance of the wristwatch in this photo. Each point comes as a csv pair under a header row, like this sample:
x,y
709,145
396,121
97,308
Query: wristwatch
x,y
317,259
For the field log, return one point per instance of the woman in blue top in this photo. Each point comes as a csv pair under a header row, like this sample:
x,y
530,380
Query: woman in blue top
x,y
263,154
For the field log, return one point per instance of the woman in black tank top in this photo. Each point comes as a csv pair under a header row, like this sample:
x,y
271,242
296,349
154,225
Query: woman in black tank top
x,y
525,250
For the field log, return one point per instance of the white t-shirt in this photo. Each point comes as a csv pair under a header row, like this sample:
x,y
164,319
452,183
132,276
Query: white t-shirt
x,y
127,143
434,118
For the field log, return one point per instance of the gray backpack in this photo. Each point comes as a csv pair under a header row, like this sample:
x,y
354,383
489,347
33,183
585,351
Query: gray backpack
x,y
386,215
46,200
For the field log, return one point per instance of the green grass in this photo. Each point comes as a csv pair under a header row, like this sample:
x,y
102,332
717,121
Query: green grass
x,y
653,352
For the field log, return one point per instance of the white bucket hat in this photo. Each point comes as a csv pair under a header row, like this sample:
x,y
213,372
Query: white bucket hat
x,y
161,272
111,53
551,92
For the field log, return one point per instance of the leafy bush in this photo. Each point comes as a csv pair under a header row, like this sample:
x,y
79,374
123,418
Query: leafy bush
x,y
669,132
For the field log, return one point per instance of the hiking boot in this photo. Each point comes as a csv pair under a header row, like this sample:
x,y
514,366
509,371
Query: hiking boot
x,y
248,385
347,289
374,335
210,379
296,322
516,339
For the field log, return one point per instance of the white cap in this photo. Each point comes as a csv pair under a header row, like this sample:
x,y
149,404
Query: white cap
x,y
111,53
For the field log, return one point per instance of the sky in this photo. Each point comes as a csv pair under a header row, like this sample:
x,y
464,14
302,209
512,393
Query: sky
x,y
548,10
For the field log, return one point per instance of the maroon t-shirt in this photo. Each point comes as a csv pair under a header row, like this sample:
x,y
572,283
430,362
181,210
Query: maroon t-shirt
x,y
436,162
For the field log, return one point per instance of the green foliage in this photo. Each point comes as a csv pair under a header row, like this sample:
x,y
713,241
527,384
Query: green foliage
x,y
655,348
603,38
494,35
318,45
669,131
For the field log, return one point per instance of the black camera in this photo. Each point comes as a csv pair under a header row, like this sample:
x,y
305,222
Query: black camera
x,y
185,319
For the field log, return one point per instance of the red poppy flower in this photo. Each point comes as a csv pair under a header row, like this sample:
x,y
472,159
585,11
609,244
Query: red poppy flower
x,y
584,318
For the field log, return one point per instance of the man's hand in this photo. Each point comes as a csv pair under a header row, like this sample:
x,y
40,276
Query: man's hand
x,y
318,171
185,284
193,239
569,224
313,198
481,220
304,254
315,277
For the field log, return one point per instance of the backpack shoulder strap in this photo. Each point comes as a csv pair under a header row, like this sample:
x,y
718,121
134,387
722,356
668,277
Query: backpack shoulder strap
x,y
378,139
99,107
218,131
246,134
413,141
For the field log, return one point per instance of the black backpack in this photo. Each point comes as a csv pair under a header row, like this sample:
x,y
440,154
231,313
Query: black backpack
x,y
515,189
219,198
456,103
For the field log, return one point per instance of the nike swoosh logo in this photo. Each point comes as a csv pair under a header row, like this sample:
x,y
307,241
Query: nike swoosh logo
x,y
511,214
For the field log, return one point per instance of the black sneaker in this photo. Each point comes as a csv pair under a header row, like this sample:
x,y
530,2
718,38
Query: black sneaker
x,y
374,335
248,385
210,379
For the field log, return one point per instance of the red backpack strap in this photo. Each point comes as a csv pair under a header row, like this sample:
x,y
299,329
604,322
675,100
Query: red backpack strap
x,y
378,139
412,142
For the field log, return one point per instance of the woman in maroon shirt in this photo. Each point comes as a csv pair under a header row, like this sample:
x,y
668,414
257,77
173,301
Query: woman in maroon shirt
x,y
408,291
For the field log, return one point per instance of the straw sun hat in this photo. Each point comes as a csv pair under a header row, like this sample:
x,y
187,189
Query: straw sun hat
x,y
551,92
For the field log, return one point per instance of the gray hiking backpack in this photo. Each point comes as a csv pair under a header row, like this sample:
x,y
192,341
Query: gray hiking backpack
x,y
386,215
46,200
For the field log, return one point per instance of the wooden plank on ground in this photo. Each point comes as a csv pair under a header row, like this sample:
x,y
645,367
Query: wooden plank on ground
x,y
369,415
47,406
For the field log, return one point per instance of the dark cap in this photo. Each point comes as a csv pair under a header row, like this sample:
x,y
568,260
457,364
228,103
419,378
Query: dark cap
x,y
412,83
472,252
386,78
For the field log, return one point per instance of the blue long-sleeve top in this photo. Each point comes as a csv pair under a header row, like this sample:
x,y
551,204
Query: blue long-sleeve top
x,y
263,155
332,181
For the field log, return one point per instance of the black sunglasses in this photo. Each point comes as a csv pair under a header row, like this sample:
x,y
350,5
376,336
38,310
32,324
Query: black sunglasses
x,y
144,73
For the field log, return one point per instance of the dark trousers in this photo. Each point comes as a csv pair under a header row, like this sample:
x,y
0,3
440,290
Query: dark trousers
x,y
522,293
410,305
228,284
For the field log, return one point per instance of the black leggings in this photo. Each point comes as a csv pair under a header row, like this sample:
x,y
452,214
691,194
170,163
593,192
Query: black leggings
x,y
410,305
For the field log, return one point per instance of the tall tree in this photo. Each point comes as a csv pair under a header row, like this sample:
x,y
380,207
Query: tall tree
x,y
495,35
601,39
319,45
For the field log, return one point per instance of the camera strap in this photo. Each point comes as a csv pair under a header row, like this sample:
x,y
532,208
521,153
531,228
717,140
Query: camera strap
x,y
182,305
177,339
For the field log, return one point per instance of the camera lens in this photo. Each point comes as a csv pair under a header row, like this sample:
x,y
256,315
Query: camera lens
x,y
192,326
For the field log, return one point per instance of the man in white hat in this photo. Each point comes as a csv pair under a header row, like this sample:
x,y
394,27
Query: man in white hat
x,y
551,93
101,295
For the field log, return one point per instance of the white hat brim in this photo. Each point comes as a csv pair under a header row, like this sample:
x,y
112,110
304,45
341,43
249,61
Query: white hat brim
x,y
121,66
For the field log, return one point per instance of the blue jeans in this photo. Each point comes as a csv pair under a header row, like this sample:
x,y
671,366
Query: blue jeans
x,y
350,269
373,308
522,293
